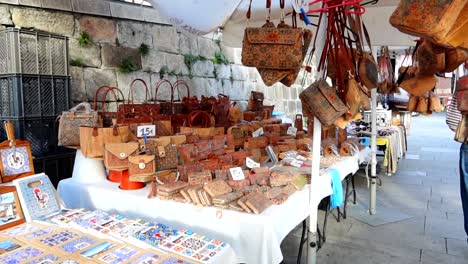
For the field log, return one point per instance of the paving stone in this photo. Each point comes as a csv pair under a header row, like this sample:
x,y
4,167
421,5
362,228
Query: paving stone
x,y
429,256
203,69
457,247
445,228
165,38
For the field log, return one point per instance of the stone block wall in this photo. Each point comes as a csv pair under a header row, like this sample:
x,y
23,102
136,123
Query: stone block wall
x,y
118,30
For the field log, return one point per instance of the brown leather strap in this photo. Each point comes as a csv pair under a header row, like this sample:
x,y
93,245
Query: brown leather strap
x,y
249,11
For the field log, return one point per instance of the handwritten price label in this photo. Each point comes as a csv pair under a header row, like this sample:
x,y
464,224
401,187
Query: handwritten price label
x,y
258,132
237,174
292,131
297,163
250,163
148,130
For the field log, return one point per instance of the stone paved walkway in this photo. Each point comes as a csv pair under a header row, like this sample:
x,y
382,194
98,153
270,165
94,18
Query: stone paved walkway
x,y
426,187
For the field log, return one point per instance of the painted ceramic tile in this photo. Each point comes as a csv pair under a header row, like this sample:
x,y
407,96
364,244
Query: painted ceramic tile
x,y
193,244
69,261
15,160
20,230
147,258
9,245
38,201
58,238
78,245
92,218
39,233
20,255
155,233
118,256
174,260
49,258
98,249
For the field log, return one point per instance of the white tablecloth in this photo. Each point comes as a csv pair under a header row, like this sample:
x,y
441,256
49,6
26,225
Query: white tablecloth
x,y
254,238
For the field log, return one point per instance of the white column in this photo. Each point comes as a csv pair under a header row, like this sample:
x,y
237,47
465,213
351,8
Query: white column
x,y
312,235
373,181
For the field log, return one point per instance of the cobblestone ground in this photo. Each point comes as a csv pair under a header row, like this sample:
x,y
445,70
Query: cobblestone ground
x,y
426,187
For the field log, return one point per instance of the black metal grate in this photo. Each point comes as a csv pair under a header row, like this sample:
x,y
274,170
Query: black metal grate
x,y
47,97
28,51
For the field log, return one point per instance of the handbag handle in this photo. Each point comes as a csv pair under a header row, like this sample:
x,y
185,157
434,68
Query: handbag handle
x,y
158,85
205,116
130,90
85,105
176,85
116,96
96,95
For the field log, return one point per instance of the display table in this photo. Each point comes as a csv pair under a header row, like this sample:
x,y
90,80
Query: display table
x,y
254,238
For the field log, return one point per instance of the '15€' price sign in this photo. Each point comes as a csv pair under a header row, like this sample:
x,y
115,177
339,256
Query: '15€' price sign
x,y
147,130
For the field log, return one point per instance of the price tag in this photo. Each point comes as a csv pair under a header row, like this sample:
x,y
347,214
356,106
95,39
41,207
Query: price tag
x,y
250,163
297,163
299,157
237,174
292,131
147,130
258,132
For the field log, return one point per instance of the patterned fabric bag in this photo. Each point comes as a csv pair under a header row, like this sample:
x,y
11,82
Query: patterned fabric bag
x,y
70,122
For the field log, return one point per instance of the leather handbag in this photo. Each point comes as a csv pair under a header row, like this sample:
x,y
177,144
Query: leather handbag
x,y
116,155
235,115
443,22
299,123
423,105
235,137
164,106
221,111
255,101
93,139
141,168
356,99
138,108
179,106
430,58
70,122
187,153
462,94
321,100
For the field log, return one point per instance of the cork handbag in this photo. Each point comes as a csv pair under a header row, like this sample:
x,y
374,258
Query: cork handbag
x,y
93,139
70,122
433,20
166,156
462,94
116,155
141,168
321,100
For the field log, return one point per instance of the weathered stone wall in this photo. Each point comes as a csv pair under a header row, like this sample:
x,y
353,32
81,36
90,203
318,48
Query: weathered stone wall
x,y
119,35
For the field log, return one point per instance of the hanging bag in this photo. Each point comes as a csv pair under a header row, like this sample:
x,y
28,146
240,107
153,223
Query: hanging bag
x,y
439,21
462,94
320,100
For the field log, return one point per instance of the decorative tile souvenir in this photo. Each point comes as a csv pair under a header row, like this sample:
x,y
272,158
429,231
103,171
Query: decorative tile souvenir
x,y
96,250
154,234
39,233
119,255
58,238
20,255
16,160
9,245
21,230
49,258
69,261
97,217
78,244
175,260
147,258
193,244
37,196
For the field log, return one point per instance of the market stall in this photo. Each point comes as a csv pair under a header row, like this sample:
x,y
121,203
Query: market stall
x,y
254,238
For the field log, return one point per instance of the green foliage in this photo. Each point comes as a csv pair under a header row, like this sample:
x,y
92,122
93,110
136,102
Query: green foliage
x,y
144,49
163,71
127,66
220,58
78,62
85,40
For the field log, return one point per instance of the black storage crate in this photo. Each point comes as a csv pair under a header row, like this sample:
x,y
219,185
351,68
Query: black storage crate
x,y
24,51
28,96
57,166
40,132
